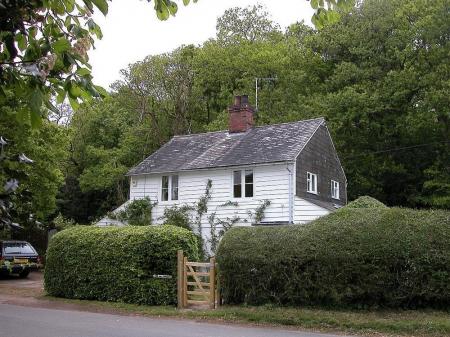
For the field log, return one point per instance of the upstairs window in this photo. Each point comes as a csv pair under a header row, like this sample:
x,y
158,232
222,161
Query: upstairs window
x,y
248,183
311,182
243,184
165,188
169,183
174,187
237,184
334,189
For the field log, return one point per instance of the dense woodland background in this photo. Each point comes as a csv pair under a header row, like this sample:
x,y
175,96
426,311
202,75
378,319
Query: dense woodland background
x,y
380,76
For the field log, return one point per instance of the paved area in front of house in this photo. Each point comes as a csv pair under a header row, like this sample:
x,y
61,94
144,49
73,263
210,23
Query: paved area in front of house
x,y
19,321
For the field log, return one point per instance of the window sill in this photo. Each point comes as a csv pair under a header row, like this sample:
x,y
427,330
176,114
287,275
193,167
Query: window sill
x,y
242,199
312,192
168,202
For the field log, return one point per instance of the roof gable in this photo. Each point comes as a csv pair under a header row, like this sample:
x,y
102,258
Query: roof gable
x,y
259,145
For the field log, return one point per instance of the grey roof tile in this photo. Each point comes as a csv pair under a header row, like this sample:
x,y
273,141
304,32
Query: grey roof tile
x,y
259,145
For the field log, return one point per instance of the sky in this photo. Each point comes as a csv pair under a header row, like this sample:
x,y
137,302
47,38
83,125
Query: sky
x,y
131,30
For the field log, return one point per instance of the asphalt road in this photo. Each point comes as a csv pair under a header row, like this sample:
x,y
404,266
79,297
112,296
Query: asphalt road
x,y
18,321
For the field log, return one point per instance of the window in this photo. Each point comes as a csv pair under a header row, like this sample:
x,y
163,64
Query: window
x,y
243,183
165,188
237,184
311,182
248,183
334,189
169,183
133,182
174,188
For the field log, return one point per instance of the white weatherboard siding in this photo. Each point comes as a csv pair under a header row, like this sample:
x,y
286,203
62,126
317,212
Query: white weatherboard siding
x,y
305,211
270,182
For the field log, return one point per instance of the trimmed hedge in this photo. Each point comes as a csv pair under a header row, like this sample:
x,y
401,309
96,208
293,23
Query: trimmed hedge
x,y
366,202
381,257
117,263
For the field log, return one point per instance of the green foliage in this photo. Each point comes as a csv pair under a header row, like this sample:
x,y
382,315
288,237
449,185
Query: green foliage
x,y
43,53
178,216
328,12
137,212
246,24
202,204
60,223
366,202
260,210
389,257
117,263
39,181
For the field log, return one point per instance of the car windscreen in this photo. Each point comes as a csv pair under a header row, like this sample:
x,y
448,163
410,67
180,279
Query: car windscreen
x,y
18,248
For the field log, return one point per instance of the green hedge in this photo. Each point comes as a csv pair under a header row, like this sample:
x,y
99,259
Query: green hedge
x,y
117,263
387,257
366,202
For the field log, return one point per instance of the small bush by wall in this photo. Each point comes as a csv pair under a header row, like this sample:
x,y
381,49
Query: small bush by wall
x,y
117,263
386,257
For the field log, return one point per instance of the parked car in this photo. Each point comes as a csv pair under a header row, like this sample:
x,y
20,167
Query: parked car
x,y
18,257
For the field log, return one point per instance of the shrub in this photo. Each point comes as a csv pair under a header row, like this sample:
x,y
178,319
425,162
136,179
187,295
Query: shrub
x,y
117,263
136,213
388,257
366,202
178,216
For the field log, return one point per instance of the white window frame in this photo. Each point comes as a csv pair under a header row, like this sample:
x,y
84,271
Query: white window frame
x,y
243,184
169,186
311,182
335,189
134,182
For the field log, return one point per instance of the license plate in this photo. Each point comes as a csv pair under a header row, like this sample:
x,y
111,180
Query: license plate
x,y
21,261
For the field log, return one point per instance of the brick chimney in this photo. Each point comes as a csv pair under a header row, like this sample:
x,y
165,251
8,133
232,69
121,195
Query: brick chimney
x,y
240,117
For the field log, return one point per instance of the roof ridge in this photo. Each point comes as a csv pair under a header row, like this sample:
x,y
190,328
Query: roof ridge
x,y
255,127
196,134
284,123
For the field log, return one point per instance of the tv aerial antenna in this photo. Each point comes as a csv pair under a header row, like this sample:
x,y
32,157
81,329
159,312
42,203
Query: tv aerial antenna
x,y
260,79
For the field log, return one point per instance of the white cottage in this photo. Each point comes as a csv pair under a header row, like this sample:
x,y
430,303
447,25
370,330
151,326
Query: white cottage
x,y
291,168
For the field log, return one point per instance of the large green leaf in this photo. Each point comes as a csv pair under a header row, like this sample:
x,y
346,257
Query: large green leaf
x,y
61,45
36,98
102,5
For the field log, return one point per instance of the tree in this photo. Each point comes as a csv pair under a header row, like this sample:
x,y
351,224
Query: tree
x,y
43,53
245,24
33,183
387,97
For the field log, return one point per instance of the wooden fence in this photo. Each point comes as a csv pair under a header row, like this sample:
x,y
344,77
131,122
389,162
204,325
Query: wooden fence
x,y
196,282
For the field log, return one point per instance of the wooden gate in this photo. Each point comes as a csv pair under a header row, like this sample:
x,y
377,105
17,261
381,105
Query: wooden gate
x,y
196,282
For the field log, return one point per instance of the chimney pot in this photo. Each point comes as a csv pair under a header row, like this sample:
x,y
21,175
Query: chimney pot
x,y
237,100
244,99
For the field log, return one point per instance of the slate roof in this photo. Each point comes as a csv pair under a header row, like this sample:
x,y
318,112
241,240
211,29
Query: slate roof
x,y
259,145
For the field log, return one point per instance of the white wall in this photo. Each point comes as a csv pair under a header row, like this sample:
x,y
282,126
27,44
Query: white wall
x,y
270,182
305,211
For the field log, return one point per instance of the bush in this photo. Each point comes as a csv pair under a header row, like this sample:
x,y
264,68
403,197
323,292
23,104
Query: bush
x,y
366,202
136,213
117,263
178,216
388,257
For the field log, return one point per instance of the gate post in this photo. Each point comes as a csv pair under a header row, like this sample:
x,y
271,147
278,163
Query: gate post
x,y
212,282
180,279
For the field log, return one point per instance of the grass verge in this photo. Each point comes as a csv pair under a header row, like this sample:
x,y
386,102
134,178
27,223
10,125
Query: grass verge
x,y
372,323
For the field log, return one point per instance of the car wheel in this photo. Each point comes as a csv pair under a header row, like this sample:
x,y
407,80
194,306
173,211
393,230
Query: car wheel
x,y
24,274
